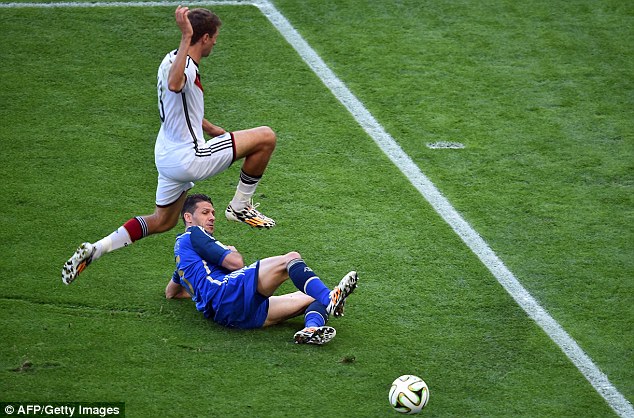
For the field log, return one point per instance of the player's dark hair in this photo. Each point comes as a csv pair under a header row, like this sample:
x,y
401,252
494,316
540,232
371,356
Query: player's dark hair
x,y
190,204
203,21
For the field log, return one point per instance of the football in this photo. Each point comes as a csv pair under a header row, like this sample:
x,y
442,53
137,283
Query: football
x,y
409,394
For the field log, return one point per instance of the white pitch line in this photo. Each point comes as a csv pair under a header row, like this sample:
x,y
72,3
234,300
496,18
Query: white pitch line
x,y
429,191
426,188
126,4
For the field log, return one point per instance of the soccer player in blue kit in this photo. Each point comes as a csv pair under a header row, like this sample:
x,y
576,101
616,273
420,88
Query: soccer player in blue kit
x,y
234,295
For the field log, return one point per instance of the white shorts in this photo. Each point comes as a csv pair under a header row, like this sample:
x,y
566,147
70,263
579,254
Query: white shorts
x,y
174,178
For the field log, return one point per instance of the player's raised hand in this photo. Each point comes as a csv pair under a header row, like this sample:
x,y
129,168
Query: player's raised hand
x,y
182,21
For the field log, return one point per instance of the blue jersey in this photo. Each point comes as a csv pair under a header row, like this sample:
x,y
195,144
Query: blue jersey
x,y
229,298
199,268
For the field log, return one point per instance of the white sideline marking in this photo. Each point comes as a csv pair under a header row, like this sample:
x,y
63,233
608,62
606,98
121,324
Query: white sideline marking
x,y
441,205
127,4
473,240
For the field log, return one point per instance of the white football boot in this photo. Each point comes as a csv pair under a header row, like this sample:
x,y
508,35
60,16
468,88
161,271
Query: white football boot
x,y
78,262
315,335
339,294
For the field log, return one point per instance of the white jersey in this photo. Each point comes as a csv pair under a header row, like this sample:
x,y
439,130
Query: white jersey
x,y
180,138
181,154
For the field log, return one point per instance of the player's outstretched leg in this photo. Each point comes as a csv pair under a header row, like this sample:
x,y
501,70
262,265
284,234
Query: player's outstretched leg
x,y
315,335
339,294
250,216
78,262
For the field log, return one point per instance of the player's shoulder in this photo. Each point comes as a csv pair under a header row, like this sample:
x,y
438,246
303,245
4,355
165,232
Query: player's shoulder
x,y
169,58
198,232
166,64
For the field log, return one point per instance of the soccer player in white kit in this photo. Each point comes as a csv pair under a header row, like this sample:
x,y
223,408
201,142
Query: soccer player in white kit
x,y
182,155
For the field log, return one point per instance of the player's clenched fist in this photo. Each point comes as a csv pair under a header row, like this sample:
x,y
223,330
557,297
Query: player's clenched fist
x,y
182,21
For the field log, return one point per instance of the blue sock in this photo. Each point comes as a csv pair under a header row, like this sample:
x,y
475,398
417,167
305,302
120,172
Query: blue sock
x,y
305,280
315,315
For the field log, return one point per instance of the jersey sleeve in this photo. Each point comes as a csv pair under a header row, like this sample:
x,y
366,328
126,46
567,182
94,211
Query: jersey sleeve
x,y
208,247
175,277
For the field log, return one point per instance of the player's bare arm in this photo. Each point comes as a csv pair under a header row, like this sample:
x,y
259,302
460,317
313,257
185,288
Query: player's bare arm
x,y
175,291
233,261
211,129
176,79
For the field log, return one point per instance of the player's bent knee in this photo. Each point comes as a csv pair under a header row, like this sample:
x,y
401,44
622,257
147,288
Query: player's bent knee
x,y
288,257
268,132
268,136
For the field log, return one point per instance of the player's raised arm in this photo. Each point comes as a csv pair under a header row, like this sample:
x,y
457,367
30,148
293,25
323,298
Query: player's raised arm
x,y
176,79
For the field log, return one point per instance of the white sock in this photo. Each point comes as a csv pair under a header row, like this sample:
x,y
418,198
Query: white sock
x,y
118,239
244,191
240,200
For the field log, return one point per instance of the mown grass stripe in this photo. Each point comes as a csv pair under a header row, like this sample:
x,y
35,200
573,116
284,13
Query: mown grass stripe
x,y
427,189
441,205
15,5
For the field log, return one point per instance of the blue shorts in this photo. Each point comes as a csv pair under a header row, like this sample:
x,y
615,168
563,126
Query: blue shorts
x,y
238,304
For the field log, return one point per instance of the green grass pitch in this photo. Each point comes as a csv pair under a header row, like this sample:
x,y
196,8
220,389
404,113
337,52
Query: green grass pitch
x,y
541,94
